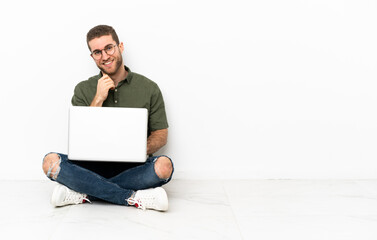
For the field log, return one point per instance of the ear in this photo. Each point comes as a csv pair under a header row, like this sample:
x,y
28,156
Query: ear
x,y
121,47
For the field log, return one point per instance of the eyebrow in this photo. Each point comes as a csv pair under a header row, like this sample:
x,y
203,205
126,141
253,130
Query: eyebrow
x,y
103,48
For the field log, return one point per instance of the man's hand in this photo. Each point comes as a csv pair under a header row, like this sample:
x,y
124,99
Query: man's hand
x,y
105,83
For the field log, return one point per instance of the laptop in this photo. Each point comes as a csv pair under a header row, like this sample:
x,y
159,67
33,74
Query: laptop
x,y
107,134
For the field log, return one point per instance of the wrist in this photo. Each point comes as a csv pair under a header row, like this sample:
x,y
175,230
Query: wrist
x,y
97,102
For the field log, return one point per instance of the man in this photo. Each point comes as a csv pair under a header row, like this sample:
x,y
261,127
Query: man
x,y
119,183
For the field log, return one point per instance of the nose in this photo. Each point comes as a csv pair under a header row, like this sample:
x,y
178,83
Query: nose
x,y
105,56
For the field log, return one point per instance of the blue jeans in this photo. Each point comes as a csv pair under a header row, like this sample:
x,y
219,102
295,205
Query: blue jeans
x,y
116,189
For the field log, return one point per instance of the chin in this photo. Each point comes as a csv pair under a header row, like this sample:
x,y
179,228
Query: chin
x,y
112,71
107,71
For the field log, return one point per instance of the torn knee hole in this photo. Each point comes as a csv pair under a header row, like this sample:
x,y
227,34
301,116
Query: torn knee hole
x,y
51,165
163,167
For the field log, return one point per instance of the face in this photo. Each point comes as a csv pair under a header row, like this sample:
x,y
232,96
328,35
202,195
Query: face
x,y
108,64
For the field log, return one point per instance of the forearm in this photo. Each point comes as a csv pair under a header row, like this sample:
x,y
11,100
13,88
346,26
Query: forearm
x,y
156,140
97,102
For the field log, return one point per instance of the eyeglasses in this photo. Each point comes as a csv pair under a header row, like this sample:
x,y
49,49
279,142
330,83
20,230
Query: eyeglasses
x,y
109,49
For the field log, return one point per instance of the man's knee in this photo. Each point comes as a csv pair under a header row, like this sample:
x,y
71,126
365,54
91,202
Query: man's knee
x,y
51,165
163,167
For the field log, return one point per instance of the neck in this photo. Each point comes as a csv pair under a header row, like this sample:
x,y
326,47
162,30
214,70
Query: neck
x,y
120,75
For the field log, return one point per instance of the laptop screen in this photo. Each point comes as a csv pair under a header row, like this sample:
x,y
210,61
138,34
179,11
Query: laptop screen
x,y
107,134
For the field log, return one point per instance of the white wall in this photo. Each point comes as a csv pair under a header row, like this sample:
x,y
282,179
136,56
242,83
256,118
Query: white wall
x,y
254,89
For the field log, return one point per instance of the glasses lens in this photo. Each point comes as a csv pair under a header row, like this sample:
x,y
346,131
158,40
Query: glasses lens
x,y
110,49
97,54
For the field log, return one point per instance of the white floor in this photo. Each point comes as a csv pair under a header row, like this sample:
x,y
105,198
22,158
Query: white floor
x,y
247,209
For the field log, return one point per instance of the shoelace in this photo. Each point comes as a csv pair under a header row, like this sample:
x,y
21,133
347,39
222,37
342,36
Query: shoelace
x,y
75,197
136,202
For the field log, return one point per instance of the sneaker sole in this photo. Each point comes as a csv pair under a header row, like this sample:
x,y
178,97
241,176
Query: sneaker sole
x,y
57,195
163,203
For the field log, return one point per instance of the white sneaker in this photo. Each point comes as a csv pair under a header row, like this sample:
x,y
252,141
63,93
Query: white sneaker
x,y
62,196
154,198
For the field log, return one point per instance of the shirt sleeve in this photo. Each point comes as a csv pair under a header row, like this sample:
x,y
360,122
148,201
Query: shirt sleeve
x,y
78,98
157,115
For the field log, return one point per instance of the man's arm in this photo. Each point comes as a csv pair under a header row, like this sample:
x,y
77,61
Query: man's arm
x,y
157,140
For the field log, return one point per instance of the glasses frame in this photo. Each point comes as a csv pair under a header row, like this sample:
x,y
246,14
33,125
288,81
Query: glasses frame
x,y
104,49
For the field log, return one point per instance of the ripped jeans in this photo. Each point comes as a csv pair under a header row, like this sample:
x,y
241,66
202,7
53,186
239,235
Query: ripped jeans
x,y
116,189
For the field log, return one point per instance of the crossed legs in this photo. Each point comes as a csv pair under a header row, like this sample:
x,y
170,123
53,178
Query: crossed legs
x,y
155,172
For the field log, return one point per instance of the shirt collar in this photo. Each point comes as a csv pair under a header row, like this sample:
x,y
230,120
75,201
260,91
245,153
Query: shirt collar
x,y
127,79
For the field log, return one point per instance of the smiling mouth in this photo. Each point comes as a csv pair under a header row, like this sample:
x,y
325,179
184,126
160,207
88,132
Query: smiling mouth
x,y
108,63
